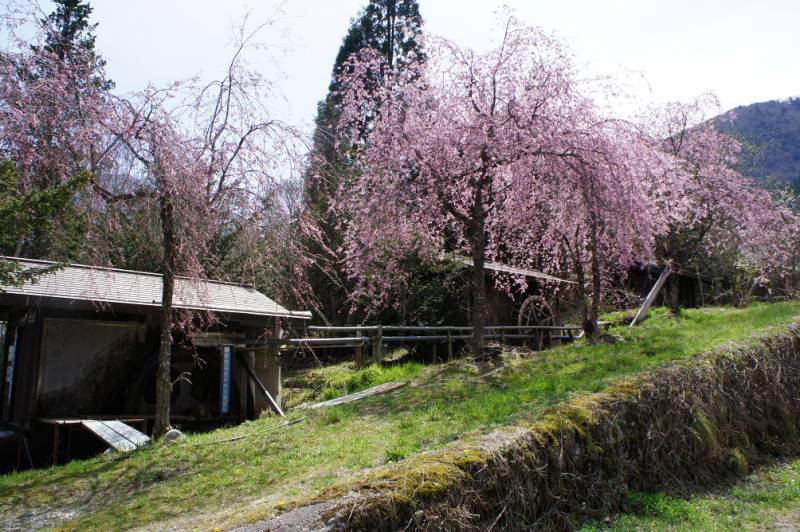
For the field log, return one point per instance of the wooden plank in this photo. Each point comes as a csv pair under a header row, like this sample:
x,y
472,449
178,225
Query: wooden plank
x,y
57,421
116,433
212,339
109,435
369,392
651,297
79,420
128,432
320,342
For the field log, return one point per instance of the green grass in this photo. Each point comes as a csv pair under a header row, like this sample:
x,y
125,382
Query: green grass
x,y
321,384
203,484
767,499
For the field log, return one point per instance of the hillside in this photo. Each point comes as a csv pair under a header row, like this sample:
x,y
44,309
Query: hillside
x,y
266,466
771,131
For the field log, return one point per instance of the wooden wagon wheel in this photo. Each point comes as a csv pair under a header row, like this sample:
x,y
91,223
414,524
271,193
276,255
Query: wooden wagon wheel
x,y
536,310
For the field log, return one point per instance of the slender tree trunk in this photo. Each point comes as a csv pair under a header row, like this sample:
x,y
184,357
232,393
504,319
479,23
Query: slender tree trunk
x,y
580,277
586,320
391,17
591,327
163,378
18,247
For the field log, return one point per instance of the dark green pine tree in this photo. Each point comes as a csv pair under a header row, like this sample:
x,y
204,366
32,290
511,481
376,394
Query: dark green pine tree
x,y
69,31
69,37
393,27
26,213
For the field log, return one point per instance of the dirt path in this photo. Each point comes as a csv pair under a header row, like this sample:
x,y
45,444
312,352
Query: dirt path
x,y
788,521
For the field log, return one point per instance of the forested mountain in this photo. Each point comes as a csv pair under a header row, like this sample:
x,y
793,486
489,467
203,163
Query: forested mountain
x,y
771,131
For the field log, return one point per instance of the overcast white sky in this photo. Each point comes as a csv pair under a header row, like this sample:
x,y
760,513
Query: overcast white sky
x,y
744,50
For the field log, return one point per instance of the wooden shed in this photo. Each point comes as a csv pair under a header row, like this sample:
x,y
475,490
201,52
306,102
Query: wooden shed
x,y
81,342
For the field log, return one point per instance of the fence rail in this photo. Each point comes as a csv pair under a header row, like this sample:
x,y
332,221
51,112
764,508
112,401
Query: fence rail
x,y
316,341
355,328
374,336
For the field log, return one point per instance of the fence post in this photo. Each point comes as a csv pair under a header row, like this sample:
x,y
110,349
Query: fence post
x,y
357,350
449,345
359,356
377,348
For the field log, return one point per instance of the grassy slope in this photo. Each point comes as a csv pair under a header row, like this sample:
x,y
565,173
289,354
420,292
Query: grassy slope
x,y
253,476
321,384
770,498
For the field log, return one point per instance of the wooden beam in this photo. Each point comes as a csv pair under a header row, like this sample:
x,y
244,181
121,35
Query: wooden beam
x,y
369,392
259,385
651,297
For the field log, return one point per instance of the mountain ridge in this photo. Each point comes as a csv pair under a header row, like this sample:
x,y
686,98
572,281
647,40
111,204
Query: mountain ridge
x,y
770,132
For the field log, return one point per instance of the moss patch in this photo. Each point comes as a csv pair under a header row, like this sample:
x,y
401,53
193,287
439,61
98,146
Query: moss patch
x,y
691,423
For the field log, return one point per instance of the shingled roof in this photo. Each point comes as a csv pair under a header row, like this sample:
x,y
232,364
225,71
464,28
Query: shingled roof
x,y
78,282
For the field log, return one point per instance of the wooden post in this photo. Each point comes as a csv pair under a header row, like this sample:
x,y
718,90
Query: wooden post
x,y
651,297
449,346
273,371
241,381
69,444
433,355
20,438
378,346
249,359
55,443
226,369
359,356
267,369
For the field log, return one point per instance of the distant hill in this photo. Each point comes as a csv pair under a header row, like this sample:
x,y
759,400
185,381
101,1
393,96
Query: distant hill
x,y
771,132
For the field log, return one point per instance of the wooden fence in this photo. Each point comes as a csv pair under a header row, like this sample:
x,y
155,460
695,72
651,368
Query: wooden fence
x,y
378,336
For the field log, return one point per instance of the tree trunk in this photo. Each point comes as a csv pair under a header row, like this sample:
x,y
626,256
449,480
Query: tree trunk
x,y
391,18
478,238
163,378
590,327
580,276
478,304
675,295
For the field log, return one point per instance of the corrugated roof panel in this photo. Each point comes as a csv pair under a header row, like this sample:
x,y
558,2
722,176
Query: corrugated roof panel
x,y
109,285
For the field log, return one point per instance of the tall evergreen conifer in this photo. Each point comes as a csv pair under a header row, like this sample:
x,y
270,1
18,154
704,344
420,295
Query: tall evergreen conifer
x,y
392,27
